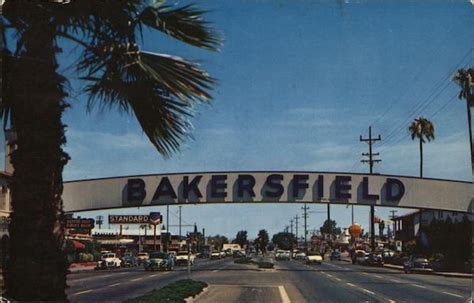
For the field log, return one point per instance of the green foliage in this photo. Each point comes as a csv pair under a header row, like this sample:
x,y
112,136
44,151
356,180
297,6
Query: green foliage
x,y
217,241
262,240
422,129
449,241
329,227
241,238
172,293
86,257
284,240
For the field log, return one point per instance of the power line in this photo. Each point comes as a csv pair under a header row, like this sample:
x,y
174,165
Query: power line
x,y
453,69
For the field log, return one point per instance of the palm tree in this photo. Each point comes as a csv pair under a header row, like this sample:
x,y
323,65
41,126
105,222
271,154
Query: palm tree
x,y
465,79
160,90
422,129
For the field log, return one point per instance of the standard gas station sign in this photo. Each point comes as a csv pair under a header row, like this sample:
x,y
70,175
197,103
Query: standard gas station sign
x,y
268,187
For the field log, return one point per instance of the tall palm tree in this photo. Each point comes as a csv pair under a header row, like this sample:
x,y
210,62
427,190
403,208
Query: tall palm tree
x,y
160,90
465,79
422,129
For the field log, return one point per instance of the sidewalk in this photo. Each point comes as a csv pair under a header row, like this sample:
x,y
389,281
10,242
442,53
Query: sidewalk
x,y
79,267
400,267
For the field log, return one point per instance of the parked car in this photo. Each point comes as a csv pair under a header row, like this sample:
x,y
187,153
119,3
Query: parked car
x,y
314,258
215,255
129,261
417,263
300,255
159,261
182,258
335,255
387,256
238,254
360,257
374,259
141,257
223,254
108,260
283,255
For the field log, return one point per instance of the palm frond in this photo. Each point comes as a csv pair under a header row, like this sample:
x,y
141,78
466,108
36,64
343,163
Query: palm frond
x,y
422,128
184,23
160,90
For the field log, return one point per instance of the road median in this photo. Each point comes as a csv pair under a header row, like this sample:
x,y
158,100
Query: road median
x,y
179,291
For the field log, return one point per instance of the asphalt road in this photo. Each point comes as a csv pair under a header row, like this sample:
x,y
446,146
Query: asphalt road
x,y
290,281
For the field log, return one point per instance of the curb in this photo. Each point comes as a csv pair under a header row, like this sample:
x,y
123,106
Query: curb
x,y
192,299
449,275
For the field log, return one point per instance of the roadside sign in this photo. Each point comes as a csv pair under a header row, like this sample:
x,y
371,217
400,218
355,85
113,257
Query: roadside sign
x,y
155,218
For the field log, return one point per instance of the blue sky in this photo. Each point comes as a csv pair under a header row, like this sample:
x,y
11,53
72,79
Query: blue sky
x,y
299,82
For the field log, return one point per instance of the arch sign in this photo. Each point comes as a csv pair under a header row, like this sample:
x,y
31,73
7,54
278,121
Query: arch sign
x,y
267,187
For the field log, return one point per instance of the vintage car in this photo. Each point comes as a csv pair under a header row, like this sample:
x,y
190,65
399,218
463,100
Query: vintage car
x,y
129,260
283,255
335,255
216,255
182,258
159,261
417,263
314,258
108,260
141,257
374,259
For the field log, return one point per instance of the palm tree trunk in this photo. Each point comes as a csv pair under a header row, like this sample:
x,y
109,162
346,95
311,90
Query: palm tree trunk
x,y
37,268
421,158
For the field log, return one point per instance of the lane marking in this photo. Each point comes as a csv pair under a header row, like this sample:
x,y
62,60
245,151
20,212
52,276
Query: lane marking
x,y
395,280
116,284
329,275
283,294
380,277
154,275
82,292
137,279
337,279
391,301
368,291
419,286
97,277
350,284
451,294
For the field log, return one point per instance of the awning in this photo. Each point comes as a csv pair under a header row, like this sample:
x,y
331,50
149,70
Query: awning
x,y
77,245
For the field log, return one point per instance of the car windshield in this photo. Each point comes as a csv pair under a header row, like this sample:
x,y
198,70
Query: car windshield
x,y
182,253
142,254
158,255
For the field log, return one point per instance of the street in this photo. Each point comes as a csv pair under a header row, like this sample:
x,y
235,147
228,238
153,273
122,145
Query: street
x,y
289,281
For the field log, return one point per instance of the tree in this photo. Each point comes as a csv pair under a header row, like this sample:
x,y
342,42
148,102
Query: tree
x,y
241,238
465,79
262,240
284,240
422,129
217,241
329,227
159,90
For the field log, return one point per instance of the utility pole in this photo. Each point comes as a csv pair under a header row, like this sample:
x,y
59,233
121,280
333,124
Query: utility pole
x,y
291,226
180,222
305,217
296,228
371,162
393,217
167,218
352,214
